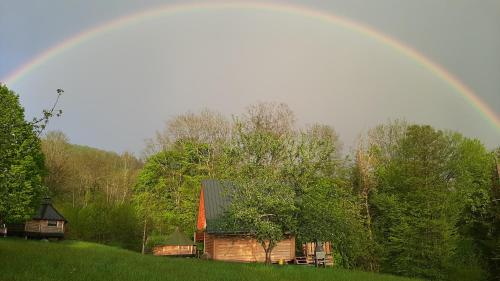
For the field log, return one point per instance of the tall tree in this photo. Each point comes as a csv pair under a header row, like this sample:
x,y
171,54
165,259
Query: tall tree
x,y
263,202
479,224
166,194
205,127
494,232
55,146
21,161
327,209
264,208
374,151
415,211
291,181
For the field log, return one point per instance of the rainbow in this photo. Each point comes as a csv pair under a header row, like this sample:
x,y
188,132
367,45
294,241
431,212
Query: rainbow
x,y
486,112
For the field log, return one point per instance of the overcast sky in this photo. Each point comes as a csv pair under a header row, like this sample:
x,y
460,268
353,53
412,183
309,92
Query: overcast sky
x,y
122,86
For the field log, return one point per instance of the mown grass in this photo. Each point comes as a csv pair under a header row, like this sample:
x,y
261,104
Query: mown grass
x,y
74,260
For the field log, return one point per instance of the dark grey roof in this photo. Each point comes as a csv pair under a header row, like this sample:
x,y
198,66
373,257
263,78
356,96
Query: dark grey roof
x,y
216,198
177,238
217,201
48,212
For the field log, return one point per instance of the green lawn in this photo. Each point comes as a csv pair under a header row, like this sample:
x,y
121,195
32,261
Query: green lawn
x,y
73,260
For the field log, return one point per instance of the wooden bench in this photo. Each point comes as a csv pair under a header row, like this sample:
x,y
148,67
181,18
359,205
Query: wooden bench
x,y
301,261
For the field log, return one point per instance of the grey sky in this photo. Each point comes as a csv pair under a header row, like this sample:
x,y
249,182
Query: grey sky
x,y
123,85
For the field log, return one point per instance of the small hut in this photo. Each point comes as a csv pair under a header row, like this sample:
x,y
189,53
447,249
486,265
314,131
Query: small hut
x,y
47,222
176,244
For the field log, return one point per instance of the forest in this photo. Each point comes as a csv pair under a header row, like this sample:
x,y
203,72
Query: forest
x,y
410,199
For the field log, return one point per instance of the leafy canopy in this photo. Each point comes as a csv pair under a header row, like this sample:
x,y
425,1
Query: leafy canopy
x,y
21,161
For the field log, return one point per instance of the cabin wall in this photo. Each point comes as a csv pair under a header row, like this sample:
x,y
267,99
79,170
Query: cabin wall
x,y
209,245
42,226
308,249
247,249
168,250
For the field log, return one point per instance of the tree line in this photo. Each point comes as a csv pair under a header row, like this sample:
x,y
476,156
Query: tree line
x,y
410,199
93,189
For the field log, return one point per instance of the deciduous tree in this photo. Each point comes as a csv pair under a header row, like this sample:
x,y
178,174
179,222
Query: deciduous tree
x,y
21,161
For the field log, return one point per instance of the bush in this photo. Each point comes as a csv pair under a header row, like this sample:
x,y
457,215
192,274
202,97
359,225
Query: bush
x,y
115,225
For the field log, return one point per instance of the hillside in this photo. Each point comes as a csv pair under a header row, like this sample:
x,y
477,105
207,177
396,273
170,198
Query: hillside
x,y
73,260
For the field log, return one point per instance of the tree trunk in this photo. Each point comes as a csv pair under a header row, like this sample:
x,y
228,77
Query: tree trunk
x,y
267,250
268,256
368,216
144,236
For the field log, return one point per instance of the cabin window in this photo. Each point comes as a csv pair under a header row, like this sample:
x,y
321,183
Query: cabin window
x,y
52,223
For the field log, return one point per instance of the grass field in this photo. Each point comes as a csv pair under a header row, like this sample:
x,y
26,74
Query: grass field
x,y
74,260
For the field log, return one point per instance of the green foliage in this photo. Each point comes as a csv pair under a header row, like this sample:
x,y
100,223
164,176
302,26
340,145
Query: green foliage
x,y
487,234
467,264
327,209
80,174
21,161
291,181
416,201
415,210
81,261
92,188
265,208
263,202
429,195
103,223
168,187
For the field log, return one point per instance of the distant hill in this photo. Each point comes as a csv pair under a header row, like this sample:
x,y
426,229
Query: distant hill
x,y
74,260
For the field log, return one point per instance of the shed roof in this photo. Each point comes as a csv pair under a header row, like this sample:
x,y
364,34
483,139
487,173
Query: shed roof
x,y
177,238
47,212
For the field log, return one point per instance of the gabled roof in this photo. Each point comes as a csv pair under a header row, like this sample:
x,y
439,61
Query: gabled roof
x,y
177,238
48,212
216,198
217,202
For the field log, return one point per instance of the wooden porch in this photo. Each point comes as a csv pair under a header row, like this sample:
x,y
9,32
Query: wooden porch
x,y
309,255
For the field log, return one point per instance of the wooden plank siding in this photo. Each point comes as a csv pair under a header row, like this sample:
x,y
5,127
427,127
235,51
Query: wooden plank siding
x,y
309,248
41,226
209,245
168,250
247,249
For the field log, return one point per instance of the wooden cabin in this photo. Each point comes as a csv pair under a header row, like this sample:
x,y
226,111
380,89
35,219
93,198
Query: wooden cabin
x,y
47,222
176,244
226,244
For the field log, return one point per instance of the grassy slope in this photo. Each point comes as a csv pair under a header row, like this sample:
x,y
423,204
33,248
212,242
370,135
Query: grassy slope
x,y
71,260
